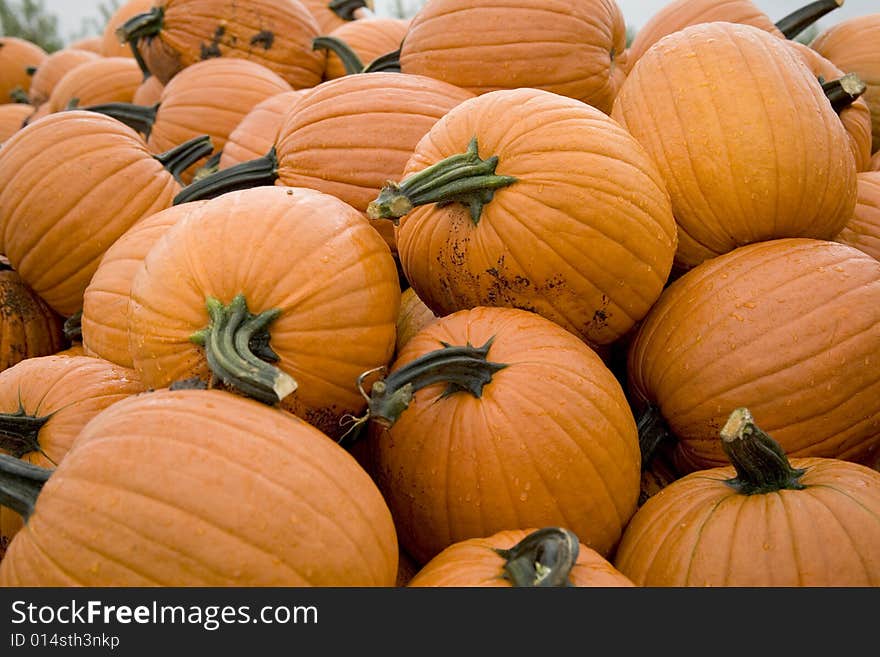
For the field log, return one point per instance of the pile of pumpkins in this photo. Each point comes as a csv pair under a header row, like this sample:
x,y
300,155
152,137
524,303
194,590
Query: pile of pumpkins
x,y
295,294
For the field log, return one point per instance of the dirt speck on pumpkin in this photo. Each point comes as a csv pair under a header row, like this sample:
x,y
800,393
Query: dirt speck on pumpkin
x,y
263,38
212,49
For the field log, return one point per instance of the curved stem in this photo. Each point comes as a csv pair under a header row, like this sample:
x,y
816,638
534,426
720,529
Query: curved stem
x,y
137,117
761,464
543,558
147,24
800,19
20,432
349,58
462,178
136,53
229,341
180,158
844,91
463,369
346,9
20,484
73,327
262,171
210,167
387,63
653,431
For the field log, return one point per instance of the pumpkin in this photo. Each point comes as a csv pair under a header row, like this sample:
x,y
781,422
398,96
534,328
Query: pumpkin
x,y
176,34
111,46
330,297
28,326
863,230
739,170
413,317
44,404
17,58
788,328
53,69
101,80
854,46
12,118
497,418
367,39
255,134
91,44
875,162
73,183
106,299
75,349
201,488
331,14
531,558
149,92
550,206
576,48
766,521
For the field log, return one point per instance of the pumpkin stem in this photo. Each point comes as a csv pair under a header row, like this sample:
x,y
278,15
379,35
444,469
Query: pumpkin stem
x,y
761,464
140,60
800,19
387,63
346,9
180,158
236,343
461,178
19,95
210,167
350,60
20,484
463,369
844,91
543,558
30,71
137,117
254,173
73,327
20,432
147,24
653,431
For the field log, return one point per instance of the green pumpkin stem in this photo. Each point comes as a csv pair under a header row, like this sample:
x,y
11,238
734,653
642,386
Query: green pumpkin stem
x,y
137,117
800,19
30,71
346,9
19,95
653,432
148,24
236,344
844,91
210,167
462,178
254,173
387,63
136,53
544,558
73,327
182,157
760,462
20,432
20,484
349,58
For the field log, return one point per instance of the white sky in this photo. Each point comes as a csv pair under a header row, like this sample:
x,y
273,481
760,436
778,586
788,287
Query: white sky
x,y
72,12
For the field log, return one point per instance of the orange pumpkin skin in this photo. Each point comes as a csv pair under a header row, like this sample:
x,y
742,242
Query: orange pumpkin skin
x,y
510,48
788,328
106,299
193,511
28,326
73,183
475,563
149,92
255,134
50,72
74,350
110,43
336,287
863,230
90,44
854,46
589,189
739,170
875,162
275,33
329,20
16,55
413,317
527,452
699,532
71,390
369,39
12,118
102,80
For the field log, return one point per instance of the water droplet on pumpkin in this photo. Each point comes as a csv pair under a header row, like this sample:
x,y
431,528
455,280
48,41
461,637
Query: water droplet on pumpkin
x,y
766,546
523,497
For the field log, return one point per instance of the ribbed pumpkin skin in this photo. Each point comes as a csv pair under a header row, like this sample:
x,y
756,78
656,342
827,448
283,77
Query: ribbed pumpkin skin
x,y
149,92
53,69
576,48
328,20
110,45
91,44
73,183
106,299
551,441
585,237
256,132
275,33
368,38
875,162
28,326
700,532
787,328
203,488
413,317
73,390
12,118
103,80
680,14
348,137
747,143
854,46
863,230
334,281
474,563
16,55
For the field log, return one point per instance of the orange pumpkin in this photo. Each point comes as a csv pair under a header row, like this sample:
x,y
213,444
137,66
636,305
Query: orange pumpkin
x,y
255,134
367,39
766,521
111,46
12,119
738,168
875,162
101,80
550,206
530,558
863,230
330,14
278,34
202,488
50,72
496,418
788,328
73,182
17,58
576,48
149,92
91,44
413,317
28,326
75,349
